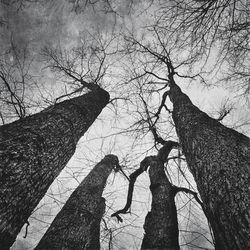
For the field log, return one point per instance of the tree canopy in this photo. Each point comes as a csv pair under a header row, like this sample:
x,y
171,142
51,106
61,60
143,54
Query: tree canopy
x,y
53,51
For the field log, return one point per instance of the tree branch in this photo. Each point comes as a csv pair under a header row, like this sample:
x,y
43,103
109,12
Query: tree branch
x,y
132,179
188,191
161,156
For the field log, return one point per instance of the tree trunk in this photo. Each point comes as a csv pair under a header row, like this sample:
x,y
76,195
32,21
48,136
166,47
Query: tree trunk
x,y
161,225
34,150
219,159
77,225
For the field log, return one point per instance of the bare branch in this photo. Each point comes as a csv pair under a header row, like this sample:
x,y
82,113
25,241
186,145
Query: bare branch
x,y
162,157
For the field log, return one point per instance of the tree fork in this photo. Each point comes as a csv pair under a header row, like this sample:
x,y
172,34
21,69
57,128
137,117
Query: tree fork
x,y
219,159
144,164
34,150
161,225
77,225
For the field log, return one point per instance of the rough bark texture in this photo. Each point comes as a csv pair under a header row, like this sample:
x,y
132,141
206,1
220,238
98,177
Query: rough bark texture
x,y
219,159
34,150
77,225
161,225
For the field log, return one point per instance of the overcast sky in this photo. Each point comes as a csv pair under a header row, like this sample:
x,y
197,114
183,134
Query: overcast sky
x,y
58,24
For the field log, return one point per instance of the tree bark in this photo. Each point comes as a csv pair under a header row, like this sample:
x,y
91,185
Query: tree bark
x,y
161,225
219,159
77,225
34,150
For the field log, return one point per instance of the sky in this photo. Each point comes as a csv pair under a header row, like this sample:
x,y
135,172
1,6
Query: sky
x,y
64,24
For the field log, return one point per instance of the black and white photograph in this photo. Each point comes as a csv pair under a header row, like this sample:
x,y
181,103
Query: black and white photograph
x,y
124,124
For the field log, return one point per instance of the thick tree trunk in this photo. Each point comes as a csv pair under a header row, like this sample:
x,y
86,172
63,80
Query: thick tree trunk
x,y
161,225
34,150
219,159
77,225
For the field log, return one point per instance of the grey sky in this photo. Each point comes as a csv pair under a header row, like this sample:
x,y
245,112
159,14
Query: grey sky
x,y
58,24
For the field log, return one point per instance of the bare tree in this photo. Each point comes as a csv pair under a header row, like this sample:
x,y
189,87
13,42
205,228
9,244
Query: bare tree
x,y
218,157
189,36
161,225
77,225
33,152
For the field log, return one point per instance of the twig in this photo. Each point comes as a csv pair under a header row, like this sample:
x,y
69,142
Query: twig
x,y
188,191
